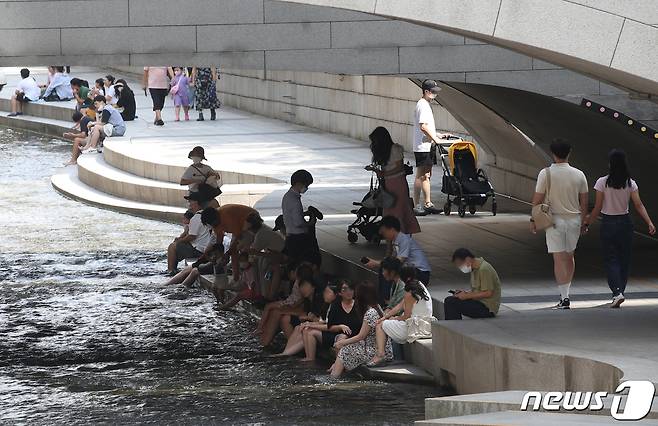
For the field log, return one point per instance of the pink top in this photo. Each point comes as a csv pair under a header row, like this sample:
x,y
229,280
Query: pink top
x,y
615,201
157,78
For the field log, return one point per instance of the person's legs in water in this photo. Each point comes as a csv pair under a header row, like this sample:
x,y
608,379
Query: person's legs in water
x,y
180,277
295,342
76,150
285,322
270,327
171,258
191,278
311,338
337,368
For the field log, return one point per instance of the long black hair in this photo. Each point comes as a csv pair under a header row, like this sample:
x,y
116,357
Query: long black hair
x,y
619,175
417,291
380,145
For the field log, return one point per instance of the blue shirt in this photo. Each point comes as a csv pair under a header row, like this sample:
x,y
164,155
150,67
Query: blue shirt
x,y
61,84
408,249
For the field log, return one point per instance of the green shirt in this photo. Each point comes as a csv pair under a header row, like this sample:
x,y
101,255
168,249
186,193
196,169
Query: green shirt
x,y
486,278
397,294
84,92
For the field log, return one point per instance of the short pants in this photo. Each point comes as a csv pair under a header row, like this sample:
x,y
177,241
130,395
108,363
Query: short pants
x,y
158,96
185,250
563,236
424,159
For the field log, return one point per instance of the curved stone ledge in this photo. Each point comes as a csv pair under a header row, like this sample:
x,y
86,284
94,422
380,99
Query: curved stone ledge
x,y
474,362
118,153
94,172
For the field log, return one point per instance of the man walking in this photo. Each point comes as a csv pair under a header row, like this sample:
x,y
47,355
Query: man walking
x,y
425,137
567,198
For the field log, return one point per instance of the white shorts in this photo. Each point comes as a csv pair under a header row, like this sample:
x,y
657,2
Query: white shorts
x,y
564,234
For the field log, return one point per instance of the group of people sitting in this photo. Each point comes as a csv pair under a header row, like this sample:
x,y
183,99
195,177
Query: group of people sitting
x,y
100,111
278,270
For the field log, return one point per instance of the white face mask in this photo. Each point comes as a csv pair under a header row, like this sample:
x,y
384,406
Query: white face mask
x,y
466,269
304,189
196,160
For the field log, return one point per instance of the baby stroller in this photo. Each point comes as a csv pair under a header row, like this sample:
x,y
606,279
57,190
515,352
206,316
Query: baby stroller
x,y
367,216
465,185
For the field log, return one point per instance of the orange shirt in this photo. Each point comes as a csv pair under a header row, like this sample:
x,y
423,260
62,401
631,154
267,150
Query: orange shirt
x,y
232,218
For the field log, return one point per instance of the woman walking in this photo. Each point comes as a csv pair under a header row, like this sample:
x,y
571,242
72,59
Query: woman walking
x,y
204,81
388,163
613,193
156,80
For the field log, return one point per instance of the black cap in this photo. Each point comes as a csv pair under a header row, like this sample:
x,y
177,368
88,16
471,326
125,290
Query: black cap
x,y
279,225
194,196
197,151
431,86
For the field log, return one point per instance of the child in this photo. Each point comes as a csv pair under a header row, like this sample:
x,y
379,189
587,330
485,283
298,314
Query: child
x,y
189,275
247,282
180,92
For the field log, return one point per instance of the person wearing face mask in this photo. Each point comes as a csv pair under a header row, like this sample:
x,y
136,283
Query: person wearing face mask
x,y
425,141
199,173
301,243
109,124
483,300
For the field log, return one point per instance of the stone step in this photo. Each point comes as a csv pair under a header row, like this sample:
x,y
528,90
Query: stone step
x,y
479,403
60,111
138,160
400,372
95,172
45,126
518,418
68,184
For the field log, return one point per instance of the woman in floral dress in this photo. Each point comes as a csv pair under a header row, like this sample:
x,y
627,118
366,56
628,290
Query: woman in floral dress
x,y
360,349
205,86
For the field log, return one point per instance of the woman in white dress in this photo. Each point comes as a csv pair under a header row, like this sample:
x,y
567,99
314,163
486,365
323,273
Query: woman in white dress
x,y
415,323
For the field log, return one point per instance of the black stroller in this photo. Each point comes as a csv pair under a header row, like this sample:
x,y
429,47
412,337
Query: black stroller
x,y
368,216
465,185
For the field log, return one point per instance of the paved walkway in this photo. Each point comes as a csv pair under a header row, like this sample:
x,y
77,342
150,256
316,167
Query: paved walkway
x,y
259,145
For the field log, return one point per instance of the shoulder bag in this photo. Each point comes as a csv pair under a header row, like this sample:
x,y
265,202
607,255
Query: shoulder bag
x,y
208,191
542,215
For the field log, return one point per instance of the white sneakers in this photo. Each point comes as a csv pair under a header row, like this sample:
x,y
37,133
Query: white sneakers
x,y
617,301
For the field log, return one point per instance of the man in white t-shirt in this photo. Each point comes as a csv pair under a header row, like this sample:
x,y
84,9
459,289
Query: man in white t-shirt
x,y
567,197
194,244
424,137
27,90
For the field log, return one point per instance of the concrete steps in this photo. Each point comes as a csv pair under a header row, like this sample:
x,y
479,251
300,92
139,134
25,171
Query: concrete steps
x,y
518,418
136,159
46,126
69,185
400,372
95,172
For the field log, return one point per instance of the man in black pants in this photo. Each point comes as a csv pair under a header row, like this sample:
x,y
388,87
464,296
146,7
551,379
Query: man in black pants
x,y
301,243
483,300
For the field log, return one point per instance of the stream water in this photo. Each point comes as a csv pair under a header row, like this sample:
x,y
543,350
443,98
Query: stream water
x,y
89,334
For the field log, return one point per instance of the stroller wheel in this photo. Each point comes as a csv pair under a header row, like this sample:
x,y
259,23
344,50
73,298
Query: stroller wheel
x,y
494,208
352,237
472,209
446,208
461,210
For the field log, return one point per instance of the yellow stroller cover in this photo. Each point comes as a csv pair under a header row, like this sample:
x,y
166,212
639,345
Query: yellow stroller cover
x,y
459,146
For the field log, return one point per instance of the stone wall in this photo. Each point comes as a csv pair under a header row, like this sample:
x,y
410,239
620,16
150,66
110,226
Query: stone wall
x,y
347,105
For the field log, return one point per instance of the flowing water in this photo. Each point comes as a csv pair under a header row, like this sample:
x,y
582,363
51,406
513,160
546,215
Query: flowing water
x,y
89,334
